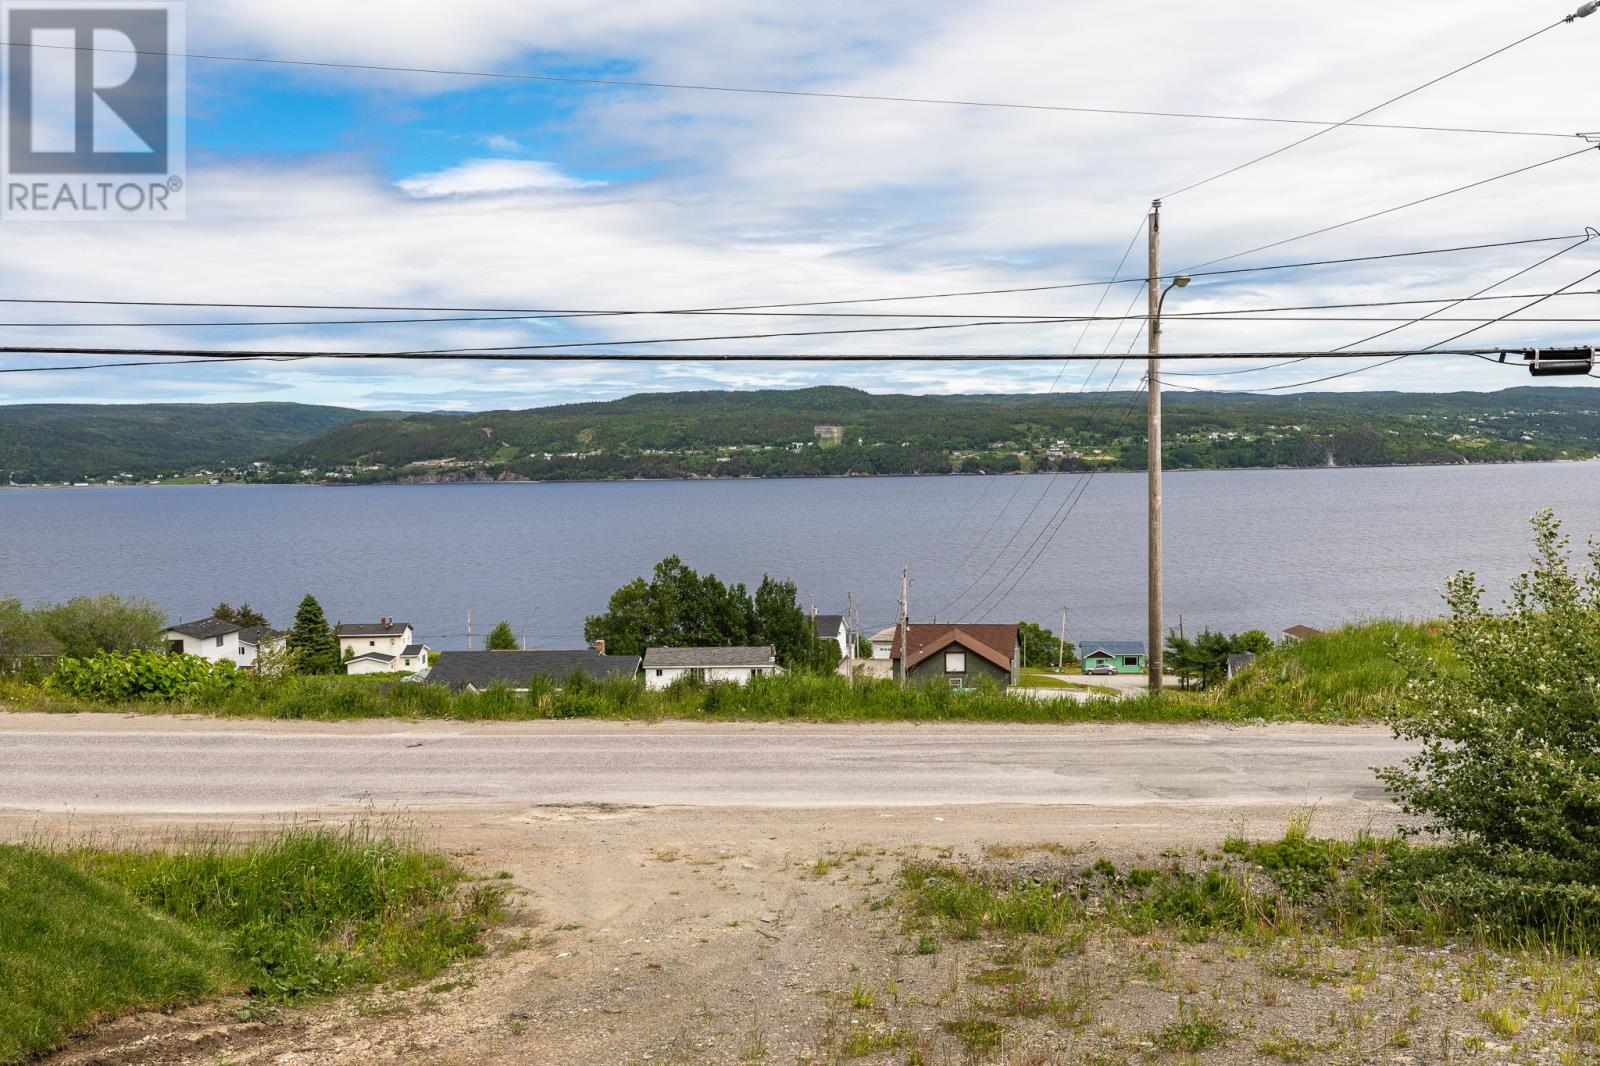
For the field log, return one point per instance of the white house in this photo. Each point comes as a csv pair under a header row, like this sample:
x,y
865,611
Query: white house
x,y
383,637
883,643
252,639
663,666
832,627
209,638
411,658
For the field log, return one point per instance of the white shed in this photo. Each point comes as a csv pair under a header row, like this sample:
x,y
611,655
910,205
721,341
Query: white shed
x,y
663,666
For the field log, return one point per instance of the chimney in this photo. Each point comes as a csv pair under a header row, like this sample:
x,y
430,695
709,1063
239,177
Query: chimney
x,y
384,622
600,646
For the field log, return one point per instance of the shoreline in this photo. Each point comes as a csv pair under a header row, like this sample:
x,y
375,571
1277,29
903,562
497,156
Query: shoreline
x,y
1169,471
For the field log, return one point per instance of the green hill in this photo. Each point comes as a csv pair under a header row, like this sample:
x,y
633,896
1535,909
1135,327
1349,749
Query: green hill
x,y
700,434
83,442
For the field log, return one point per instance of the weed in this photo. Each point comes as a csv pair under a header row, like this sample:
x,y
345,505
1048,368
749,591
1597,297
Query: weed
x,y
977,1035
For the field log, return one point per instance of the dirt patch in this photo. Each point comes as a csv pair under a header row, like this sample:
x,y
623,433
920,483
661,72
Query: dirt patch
x,y
653,935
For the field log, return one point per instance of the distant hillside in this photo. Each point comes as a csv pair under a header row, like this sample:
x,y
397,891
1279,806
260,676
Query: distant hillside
x,y
708,434
84,442
774,433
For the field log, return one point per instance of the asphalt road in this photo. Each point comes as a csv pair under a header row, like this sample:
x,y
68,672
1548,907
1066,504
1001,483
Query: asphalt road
x,y
125,764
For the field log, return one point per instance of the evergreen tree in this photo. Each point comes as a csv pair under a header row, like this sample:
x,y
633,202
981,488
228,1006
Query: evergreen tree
x,y
311,639
243,615
500,638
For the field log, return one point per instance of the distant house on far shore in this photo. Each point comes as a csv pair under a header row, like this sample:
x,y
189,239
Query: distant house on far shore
x,y
663,666
1298,632
475,671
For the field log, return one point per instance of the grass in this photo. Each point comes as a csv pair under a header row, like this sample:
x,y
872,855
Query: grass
x,y
1343,676
89,933
1300,884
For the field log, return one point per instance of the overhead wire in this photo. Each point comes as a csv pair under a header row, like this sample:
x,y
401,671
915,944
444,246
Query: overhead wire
x,y
574,79
1363,114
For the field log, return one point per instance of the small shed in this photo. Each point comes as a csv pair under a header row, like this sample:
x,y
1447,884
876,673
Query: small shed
x,y
1115,657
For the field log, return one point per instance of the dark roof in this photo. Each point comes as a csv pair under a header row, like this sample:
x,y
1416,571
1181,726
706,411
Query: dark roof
x,y
413,649
254,634
375,656
828,625
373,629
927,637
205,627
1301,632
762,655
1113,647
482,668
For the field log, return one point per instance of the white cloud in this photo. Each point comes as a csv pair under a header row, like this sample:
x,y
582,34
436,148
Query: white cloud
x,y
756,200
499,142
477,177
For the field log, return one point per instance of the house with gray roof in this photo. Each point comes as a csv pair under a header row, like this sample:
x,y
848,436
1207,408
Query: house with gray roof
x,y
383,637
477,670
663,666
209,638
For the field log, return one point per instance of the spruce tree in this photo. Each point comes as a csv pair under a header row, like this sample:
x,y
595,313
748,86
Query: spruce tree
x,y
501,638
311,639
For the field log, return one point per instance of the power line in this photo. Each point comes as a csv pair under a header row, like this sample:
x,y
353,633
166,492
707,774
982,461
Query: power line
x,y
194,354
1392,210
521,312
765,91
1363,114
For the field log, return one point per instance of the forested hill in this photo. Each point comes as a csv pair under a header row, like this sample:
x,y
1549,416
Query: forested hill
x,y
777,433
83,442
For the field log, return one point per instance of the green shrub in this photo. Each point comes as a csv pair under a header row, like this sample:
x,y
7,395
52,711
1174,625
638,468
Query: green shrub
x,y
1510,759
136,675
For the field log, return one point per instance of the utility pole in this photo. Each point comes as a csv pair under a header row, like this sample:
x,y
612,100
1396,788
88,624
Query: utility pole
x,y
1061,647
469,628
1153,433
851,639
905,620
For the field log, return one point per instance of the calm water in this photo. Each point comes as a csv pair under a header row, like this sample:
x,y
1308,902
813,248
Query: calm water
x,y
1260,548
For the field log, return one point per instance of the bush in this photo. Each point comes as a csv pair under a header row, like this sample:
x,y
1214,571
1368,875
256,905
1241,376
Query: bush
x,y
115,676
1511,738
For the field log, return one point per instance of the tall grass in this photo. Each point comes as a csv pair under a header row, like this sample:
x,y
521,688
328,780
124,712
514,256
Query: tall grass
x,y
88,933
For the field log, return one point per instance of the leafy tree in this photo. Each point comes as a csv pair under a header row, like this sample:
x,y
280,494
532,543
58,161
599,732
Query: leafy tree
x,y
500,638
311,639
678,607
1254,641
1510,729
1040,647
88,625
22,636
781,622
243,615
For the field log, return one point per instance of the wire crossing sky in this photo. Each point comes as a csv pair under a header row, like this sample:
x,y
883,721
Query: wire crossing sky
x,y
519,178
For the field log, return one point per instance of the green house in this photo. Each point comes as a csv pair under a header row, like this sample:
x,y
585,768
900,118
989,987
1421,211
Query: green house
x,y
1114,657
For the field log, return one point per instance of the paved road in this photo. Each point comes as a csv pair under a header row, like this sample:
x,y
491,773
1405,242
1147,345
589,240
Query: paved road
x,y
118,764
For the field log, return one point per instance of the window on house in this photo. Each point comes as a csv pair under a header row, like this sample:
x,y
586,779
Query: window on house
x,y
955,662
219,642
372,644
660,672
1130,660
957,682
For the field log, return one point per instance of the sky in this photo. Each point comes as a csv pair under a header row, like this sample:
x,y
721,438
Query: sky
x,y
317,186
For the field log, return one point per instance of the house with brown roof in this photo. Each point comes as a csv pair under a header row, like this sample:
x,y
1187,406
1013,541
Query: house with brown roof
x,y
957,655
1298,632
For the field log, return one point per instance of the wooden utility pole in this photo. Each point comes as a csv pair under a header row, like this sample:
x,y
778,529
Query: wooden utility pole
x,y
469,628
1061,648
1153,433
905,620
